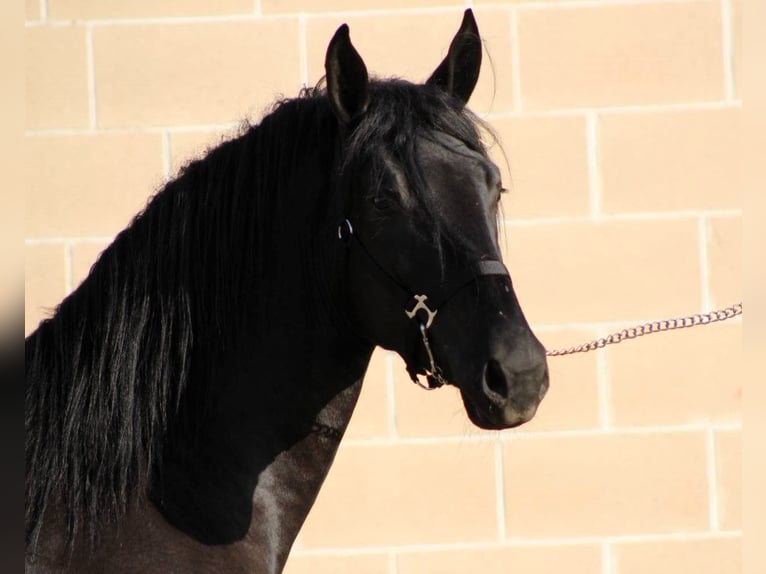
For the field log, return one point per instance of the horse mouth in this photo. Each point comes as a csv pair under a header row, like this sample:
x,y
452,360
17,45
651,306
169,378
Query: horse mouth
x,y
493,418
492,413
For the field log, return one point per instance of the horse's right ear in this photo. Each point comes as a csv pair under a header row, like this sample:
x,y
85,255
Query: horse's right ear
x,y
346,77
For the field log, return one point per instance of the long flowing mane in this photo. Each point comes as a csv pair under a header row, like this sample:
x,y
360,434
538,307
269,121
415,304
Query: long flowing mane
x,y
106,374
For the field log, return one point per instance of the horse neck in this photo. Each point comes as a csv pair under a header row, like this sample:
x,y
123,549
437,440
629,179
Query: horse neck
x,y
263,420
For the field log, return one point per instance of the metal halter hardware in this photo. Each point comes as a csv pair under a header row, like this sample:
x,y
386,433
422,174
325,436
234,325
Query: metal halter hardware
x,y
420,305
434,376
422,308
345,231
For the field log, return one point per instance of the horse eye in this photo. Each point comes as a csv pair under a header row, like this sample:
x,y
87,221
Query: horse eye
x,y
382,201
501,191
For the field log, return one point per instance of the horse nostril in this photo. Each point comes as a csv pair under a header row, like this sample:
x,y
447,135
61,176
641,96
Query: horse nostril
x,y
495,383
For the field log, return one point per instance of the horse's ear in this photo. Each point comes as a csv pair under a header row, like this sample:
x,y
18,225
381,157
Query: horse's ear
x,y
459,71
346,77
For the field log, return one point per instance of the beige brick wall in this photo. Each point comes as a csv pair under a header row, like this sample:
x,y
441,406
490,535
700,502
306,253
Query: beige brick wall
x,y
620,120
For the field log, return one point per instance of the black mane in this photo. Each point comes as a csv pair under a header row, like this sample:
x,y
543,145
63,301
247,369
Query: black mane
x,y
107,372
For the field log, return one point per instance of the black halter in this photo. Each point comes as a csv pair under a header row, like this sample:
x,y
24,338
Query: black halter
x,y
423,308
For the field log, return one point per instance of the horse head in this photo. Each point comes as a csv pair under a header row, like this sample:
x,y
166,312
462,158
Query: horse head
x,y
420,227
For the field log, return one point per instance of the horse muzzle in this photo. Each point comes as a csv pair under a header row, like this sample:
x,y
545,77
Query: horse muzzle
x,y
507,395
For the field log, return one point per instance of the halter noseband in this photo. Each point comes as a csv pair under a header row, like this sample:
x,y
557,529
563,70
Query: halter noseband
x,y
423,308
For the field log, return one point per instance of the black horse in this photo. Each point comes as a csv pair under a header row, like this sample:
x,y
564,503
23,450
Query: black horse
x,y
185,403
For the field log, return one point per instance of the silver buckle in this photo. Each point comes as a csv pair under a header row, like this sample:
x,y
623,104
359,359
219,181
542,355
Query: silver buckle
x,y
345,231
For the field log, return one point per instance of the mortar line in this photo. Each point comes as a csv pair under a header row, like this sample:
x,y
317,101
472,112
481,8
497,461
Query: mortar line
x,y
704,258
574,4
393,429
517,542
48,132
594,168
68,268
49,23
256,17
727,41
166,156
617,217
621,109
303,48
377,12
73,240
712,476
242,17
500,501
512,435
257,12
602,385
515,62
607,558
231,126
393,563
565,112
90,58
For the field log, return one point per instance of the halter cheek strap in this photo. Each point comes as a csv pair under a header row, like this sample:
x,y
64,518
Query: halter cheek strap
x,y
423,308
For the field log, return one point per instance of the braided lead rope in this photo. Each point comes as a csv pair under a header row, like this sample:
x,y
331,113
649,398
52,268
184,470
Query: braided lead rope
x,y
653,327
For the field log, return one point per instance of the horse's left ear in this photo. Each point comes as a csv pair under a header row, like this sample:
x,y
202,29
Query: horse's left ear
x,y
346,77
459,71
